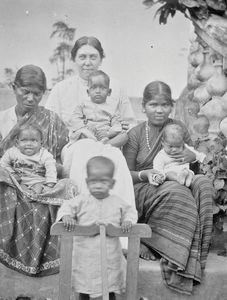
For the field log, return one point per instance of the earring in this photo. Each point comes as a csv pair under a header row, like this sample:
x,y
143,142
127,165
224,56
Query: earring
x,y
143,110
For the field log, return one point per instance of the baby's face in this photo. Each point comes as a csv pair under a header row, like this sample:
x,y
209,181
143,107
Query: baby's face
x,y
29,142
173,146
99,182
98,89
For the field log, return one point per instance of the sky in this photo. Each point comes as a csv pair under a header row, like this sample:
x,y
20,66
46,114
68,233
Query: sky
x,y
138,49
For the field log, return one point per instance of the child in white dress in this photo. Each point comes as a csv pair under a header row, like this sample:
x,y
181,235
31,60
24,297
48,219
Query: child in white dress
x,y
31,165
165,162
96,118
102,208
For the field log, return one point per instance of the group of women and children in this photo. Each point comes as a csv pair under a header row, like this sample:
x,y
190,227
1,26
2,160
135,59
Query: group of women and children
x,y
84,152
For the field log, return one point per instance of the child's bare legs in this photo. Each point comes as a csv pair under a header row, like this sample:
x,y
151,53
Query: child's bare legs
x,y
189,177
185,177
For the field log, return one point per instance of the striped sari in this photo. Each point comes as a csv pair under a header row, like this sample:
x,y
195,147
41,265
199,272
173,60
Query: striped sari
x,y
180,218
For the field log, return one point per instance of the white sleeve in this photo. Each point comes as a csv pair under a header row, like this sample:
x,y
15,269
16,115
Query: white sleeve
x,y
6,161
69,208
50,166
200,156
129,212
76,121
54,99
115,124
159,162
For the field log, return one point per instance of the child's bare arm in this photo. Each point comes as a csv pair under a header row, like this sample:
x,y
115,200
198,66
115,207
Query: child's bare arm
x,y
119,140
126,226
69,222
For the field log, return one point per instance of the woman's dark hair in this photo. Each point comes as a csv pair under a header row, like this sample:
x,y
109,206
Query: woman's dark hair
x,y
30,76
157,90
87,40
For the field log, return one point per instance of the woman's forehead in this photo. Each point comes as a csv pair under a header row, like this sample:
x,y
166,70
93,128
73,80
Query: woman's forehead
x,y
31,88
159,100
87,50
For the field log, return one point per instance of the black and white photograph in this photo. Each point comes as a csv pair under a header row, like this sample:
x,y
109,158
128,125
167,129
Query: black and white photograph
x,y
113,149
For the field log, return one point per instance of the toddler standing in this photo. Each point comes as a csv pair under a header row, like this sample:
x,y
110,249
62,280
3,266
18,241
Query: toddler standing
x,y
31,164
98,207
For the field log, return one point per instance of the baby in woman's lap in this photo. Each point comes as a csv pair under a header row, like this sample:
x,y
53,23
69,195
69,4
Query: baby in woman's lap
x,y
97,119
29,163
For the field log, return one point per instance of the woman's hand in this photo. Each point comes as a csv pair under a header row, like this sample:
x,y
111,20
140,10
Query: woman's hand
x,y
187,156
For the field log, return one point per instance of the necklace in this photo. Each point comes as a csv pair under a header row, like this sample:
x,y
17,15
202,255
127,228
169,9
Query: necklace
x,y
147,136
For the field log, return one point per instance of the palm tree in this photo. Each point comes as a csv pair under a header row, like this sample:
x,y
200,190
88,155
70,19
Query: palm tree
x,y
61,54
63,31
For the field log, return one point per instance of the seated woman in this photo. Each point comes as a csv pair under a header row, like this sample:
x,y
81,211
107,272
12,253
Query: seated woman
x,y
180,218
88,54
25,241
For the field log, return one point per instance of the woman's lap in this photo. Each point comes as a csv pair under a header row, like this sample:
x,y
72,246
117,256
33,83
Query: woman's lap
x,y
25,241
174,216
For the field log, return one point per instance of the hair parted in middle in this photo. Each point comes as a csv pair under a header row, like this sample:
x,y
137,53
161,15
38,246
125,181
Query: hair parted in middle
x,y
156,90
87,40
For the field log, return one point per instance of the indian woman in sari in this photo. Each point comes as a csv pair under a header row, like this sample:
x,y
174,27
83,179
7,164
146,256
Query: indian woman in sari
x,y
180,217
25,242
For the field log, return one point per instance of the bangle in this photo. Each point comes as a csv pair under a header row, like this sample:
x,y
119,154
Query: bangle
x,y
139,175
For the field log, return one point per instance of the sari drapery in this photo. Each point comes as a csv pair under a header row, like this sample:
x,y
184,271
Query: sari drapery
x,y
25,242
180,218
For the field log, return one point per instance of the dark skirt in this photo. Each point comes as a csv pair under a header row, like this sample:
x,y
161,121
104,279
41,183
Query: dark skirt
x,y
25,241
181,222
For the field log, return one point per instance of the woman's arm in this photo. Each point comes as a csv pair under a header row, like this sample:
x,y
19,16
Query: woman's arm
x,y
130,151
119,140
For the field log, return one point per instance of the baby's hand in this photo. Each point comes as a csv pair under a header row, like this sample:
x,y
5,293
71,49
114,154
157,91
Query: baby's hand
x,y
105,140
101,134
48,186
126,226
156,179
124,125
69,223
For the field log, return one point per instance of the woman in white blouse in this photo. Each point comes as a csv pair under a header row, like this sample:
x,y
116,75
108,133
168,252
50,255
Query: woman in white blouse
x,y
87,54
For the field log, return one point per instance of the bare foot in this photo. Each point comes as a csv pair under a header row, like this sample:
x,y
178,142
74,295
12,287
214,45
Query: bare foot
x,y
146,253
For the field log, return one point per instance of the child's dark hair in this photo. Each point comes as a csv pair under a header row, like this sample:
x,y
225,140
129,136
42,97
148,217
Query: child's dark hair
x,y
99,73
173,130
103,162
33,126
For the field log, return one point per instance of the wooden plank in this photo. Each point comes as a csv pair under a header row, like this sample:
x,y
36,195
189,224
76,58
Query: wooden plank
x,y
137,230
65,268
104,271
80,230
132,267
